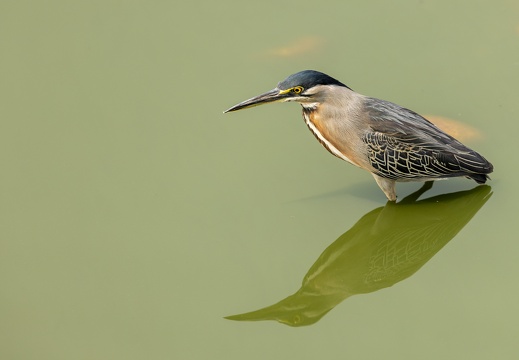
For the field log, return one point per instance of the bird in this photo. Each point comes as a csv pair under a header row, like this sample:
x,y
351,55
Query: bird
x,y
391,142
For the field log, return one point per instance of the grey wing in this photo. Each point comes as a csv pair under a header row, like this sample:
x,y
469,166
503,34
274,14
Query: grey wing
x,y
402,145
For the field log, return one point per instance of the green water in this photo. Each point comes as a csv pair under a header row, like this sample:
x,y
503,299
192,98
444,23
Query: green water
x,y
135,216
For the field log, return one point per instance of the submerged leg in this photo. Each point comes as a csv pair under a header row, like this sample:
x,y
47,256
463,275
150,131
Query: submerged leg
x,y
388,186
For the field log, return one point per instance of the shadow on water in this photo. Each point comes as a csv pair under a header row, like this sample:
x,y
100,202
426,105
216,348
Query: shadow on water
x,y
385,246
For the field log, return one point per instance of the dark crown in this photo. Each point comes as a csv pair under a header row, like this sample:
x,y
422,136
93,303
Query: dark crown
x,y
308,79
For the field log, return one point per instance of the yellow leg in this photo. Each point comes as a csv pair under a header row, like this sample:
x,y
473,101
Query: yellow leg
x,y
387,186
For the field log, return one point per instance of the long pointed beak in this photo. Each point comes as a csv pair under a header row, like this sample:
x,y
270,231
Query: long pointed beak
x,y
273,95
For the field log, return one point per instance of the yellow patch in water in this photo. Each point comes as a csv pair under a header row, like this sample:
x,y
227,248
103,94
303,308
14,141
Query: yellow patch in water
x,y
456,129
304,45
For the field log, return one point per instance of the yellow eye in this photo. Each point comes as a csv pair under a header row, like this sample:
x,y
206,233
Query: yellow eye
x,y
297,89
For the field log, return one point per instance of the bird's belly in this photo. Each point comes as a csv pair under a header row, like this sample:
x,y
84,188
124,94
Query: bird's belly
x,y
419,179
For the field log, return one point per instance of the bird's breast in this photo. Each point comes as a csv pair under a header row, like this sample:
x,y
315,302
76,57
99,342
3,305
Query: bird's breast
x,y
330,136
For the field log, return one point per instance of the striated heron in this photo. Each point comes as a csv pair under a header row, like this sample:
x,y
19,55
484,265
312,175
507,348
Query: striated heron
x,y
391,142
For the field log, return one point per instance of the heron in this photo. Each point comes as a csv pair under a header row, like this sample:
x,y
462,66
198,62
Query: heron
x,y
393,143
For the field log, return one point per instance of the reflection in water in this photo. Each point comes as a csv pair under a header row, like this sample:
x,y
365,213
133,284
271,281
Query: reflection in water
x,y
385,246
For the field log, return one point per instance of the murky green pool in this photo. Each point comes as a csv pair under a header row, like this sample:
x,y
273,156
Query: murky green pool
x,y
136,217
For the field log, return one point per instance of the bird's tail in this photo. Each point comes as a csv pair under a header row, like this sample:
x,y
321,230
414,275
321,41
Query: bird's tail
x,y
477,168
479,178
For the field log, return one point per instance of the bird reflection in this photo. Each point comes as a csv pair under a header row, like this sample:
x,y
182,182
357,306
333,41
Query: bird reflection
x,y
385,246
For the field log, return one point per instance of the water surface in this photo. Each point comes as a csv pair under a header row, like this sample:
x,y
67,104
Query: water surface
x,y
135,216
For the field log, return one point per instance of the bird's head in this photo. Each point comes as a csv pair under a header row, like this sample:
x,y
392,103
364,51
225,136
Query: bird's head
x,y
300,87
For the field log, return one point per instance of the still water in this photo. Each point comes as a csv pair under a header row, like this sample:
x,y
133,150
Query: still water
x,y
139,222
385,246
